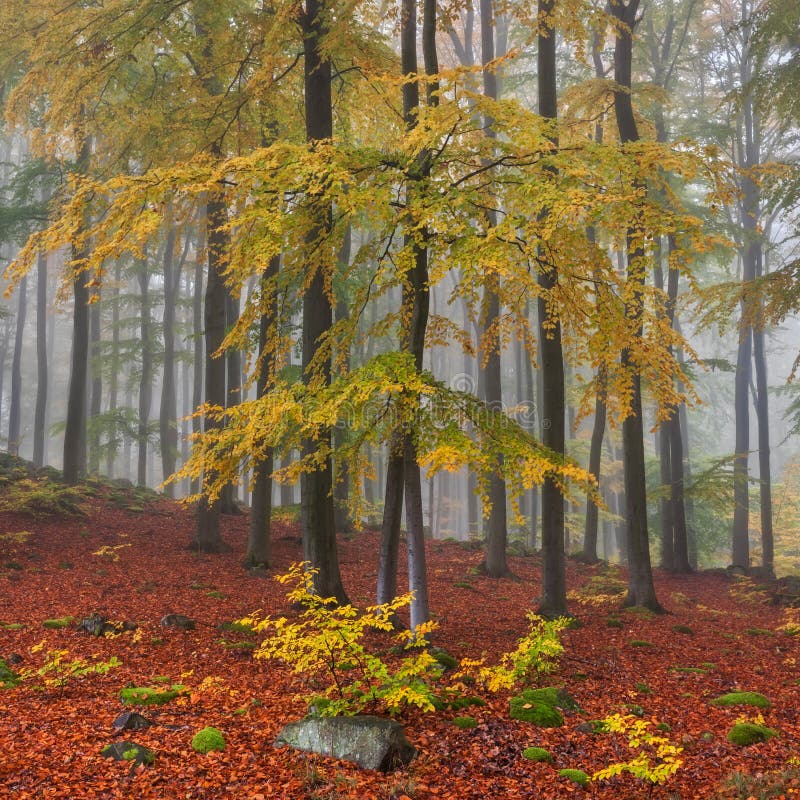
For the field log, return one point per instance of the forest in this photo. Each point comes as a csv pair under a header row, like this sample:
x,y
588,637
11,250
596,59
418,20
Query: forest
x,y
422,366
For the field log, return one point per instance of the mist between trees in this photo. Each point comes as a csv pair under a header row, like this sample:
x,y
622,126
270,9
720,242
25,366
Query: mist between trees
x,y
437,266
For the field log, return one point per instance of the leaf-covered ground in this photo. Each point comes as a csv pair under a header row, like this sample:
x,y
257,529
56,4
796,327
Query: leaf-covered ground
x,y
721,635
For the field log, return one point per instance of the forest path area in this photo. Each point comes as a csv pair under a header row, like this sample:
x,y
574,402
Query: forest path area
x,y
722,634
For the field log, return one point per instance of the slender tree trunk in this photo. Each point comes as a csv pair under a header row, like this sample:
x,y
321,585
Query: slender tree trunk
x,y
113,383
167,424
551,364
641,590
233,362
258,540
341,486
146,377
15,412
40,414
208,538
198,360
316,488
96,395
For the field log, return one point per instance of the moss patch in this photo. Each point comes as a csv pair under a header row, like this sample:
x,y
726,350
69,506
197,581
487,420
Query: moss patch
x,y
684,629
741,699
8,678
59,622
208,739
640,643
541,706
537,754
747,733
151,696
576,776
465,722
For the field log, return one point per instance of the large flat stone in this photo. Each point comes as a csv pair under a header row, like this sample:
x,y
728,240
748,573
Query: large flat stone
x,y
370,742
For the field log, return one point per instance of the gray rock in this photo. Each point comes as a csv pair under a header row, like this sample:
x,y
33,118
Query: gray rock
x,y
131,721
129,751
177,621
370,742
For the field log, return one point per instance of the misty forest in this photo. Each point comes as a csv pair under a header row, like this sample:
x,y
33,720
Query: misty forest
x,y
398,399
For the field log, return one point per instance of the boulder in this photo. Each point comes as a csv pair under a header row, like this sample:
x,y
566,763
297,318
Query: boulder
x,y
371,742
98,625
177,621
131,721
129,751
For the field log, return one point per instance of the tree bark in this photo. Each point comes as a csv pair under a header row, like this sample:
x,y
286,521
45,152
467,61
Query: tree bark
x,y
316,488
15,411
96,395
40,414
641,591
146,377
551,364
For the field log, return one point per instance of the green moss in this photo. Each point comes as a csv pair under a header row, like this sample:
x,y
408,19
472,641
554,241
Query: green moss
x,y
640,643
150,696
59,622
537,754
640,611
463,585
613,622
444,658
208,739
695,670
741,699
759,632
643,688
747,733
216,595
12,626
465,722
685,629
538,706
635,709
576,776
457,703
8,678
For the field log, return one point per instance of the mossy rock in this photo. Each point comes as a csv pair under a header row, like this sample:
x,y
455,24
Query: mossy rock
x,y
747,733
537,706
59,622
457,703
684,629
8,678
537,754
208,739
129,751
754,699
553,696
593,726
150,695
443,658
465,722
635,709
613,622
576,776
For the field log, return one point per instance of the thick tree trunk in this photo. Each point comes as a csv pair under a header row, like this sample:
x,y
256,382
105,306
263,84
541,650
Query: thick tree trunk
x,y
589,552
15,412
551,364
40,414
641,590
390,525
316,488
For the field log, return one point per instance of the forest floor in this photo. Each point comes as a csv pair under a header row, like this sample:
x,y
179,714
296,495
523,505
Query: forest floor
x,y
50,740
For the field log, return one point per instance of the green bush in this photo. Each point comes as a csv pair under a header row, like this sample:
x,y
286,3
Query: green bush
x,y
208,739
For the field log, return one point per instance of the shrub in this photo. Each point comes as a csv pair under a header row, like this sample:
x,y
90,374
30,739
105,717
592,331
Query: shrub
x,y
57,670
208,739
328,644
656,759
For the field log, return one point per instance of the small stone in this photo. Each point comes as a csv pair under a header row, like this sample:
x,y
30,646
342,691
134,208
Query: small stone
x,y
131,721
129,751
177,621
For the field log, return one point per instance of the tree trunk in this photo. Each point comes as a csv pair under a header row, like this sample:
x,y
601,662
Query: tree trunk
x,y
258,540
40,414
113,383
641,591
75,429
167,413
317,517
96,396
233,363
146,377
15,412
207,537
341,486
198,360
551,364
